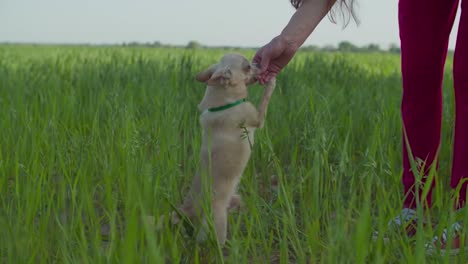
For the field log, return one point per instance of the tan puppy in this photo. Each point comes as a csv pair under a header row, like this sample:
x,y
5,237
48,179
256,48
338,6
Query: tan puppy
x,y
228,123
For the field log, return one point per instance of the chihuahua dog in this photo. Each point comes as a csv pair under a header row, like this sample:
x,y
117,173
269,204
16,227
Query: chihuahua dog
x,y
228,122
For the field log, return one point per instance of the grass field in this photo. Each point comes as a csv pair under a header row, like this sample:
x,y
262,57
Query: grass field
x,y
95,140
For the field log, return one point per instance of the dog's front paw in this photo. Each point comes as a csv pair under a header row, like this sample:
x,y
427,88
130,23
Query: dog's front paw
x,y
271,84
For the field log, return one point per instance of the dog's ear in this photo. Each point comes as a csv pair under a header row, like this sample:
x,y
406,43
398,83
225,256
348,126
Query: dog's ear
x,y
220,76
205,75
215,75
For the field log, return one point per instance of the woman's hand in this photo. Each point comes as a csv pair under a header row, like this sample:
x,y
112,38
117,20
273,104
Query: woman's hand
x,y
273,57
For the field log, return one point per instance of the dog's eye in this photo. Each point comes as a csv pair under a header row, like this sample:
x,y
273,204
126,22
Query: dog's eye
x,y
247,67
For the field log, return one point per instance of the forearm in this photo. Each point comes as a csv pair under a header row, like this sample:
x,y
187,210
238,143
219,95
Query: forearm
x,y
305,20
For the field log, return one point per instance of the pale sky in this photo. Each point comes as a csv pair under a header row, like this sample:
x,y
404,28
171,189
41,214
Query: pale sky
x,y
248,23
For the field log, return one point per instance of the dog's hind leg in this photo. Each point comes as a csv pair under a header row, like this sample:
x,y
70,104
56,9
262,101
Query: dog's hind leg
x,y
235,203
220,214
224,188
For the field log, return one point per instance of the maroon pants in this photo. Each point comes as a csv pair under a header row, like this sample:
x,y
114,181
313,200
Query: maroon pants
x,y
425,26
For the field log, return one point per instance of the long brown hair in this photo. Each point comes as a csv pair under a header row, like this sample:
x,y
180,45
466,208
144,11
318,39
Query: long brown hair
x,y
344,7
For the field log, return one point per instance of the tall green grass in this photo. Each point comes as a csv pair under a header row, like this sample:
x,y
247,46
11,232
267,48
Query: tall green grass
x,y
95,140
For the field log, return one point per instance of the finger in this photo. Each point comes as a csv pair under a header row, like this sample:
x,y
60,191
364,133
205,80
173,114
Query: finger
x,y
269,76
259,79
264,79
265,61
256,61
257,58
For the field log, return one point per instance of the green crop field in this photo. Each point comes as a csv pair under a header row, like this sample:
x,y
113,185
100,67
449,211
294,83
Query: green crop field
x,y
97,142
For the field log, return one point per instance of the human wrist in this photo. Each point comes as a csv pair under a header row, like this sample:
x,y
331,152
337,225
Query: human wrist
x,y
296,32
304,21
292,43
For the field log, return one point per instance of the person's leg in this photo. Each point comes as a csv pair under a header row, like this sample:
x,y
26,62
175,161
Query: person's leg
x,y
424,32
460,79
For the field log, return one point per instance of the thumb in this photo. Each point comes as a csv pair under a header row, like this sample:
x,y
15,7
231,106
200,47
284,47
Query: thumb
x,y
265,60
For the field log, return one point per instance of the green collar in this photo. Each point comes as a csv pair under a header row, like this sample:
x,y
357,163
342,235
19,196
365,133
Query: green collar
x,y
226,106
